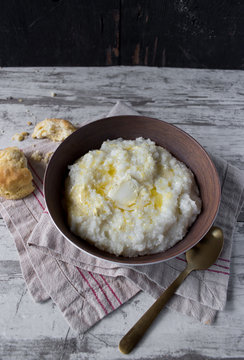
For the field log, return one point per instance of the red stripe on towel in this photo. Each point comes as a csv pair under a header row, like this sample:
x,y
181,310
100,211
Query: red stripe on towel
x,y
100,287
38,188
104,309
216,271
94,292
34,171
224,260
38,201
224,267
219,272
112,291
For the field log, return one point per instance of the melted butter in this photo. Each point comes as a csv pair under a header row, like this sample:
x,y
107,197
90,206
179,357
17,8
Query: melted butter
x,y
158,199
124,198
101,188
78,192
108,174
85,206
111,170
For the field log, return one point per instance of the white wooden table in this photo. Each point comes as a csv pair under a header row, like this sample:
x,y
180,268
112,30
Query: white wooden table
x,y
207,104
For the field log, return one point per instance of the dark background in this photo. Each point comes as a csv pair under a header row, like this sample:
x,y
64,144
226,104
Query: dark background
x,y
176,33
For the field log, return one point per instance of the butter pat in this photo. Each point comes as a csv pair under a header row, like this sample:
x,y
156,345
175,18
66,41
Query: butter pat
x,y
124,194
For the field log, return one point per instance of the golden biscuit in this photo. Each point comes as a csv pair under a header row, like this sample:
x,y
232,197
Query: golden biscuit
x,y
53,129
15,177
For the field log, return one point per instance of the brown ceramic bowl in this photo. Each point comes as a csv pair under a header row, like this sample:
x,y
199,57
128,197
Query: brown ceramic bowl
x,y
180,144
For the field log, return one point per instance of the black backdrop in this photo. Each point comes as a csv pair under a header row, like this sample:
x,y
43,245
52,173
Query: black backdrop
x,y
182,33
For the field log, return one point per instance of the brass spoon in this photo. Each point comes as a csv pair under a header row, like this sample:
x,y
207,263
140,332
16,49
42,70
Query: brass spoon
x,y
200,257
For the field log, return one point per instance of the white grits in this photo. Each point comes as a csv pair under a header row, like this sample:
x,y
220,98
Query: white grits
x,y
131,197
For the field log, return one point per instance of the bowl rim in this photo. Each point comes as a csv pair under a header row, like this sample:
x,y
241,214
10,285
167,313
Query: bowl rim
x,y
133,261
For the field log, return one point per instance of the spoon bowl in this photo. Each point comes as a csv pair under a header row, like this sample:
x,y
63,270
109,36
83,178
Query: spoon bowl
x,y
205,253
200,257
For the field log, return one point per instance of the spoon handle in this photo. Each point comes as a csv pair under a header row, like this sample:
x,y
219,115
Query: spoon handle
x,y
129,341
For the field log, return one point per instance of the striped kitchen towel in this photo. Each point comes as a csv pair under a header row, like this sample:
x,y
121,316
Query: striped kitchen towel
x,y
85,288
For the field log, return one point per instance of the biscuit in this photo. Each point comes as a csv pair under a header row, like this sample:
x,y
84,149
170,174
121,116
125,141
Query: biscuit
x,y
15,177
53,129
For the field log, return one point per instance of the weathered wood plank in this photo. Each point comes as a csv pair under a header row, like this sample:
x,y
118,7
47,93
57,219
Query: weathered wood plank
x,y
6,242
59,349
207,104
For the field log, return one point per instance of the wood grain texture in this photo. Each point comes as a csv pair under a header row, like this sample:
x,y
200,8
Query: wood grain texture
x,y
64,32
188,33
183,33
207,104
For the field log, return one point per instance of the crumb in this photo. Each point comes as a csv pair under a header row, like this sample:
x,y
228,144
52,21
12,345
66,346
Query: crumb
x,y
20,100
29,123
36,155
21,136
2,131
53,94
47,157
